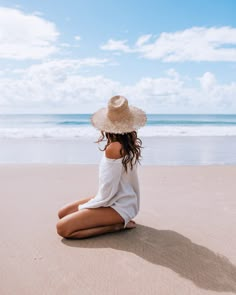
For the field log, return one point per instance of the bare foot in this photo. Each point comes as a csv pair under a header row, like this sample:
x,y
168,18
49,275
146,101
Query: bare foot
x,y
131,224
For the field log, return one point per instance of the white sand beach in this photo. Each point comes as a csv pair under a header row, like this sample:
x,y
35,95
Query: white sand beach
x,y
184,242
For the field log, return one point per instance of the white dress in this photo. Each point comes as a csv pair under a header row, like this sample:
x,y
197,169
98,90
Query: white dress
x,y
117,189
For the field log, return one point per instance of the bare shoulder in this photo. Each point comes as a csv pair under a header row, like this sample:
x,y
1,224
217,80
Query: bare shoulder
x,y
113,150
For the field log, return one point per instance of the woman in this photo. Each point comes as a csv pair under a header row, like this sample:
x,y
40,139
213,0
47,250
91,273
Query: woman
x,y
117,200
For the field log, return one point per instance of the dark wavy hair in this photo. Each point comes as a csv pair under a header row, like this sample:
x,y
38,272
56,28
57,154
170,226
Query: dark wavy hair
x,y
131,146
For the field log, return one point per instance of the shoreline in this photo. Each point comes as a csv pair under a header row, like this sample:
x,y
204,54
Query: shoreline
x,y
169,150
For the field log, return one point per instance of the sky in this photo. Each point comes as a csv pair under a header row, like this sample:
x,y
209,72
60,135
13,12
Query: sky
x,y
164,56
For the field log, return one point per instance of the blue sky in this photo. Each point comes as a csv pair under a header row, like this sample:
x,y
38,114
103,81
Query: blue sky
x,y
164,56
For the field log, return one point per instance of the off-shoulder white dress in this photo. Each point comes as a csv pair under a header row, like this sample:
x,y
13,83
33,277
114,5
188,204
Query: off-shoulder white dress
x,y
117,189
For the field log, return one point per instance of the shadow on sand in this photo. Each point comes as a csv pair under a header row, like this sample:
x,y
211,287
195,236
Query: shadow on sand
x,y
206,269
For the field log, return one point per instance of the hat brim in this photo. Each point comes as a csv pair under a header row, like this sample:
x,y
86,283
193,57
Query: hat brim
x,y
136,120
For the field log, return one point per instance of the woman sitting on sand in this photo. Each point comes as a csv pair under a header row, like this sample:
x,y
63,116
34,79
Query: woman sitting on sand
x,y
117,200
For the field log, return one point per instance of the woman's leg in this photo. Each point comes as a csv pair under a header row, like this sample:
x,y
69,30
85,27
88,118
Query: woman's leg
x,y
71,225
85,233
72,207
101,230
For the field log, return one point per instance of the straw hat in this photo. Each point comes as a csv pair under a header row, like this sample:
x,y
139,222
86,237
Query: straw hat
x,y
119,116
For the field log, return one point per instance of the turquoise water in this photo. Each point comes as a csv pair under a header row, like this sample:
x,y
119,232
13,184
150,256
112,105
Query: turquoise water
x,y
77,125
84,119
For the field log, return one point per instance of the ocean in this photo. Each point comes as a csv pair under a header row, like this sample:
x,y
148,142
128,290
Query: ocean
x,y
168,139
72,126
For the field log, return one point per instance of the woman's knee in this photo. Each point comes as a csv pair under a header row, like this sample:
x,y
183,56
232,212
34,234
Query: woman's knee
x,y
61,213
61,229
72,207
64,233
68,209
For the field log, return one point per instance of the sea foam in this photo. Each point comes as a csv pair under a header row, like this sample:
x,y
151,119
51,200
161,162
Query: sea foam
x,y
91,132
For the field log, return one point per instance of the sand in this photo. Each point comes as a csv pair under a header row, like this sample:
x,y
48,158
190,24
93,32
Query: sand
x,y
184,242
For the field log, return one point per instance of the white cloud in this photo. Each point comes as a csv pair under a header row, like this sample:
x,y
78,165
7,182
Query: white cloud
x,y
193,44
54,85
143,39
64,44
60,86
207,81
65,67
77,38
218,95
116,46
25,36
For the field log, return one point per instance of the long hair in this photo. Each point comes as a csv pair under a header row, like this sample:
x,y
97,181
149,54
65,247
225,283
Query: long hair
x,y
131,146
